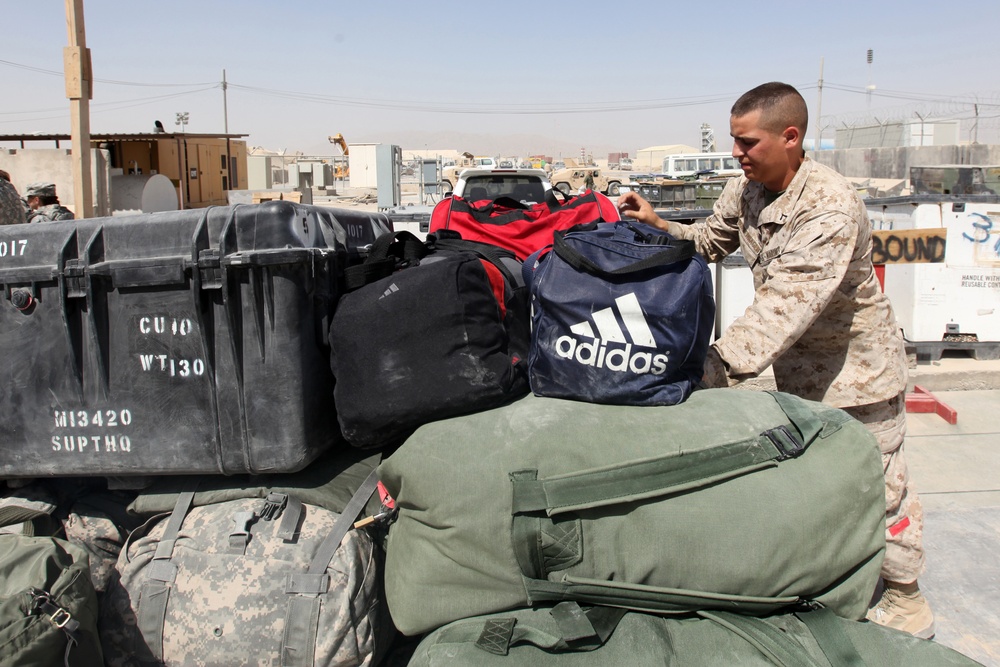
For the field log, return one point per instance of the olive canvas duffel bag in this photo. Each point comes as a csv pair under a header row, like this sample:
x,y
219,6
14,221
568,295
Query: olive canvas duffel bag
x,y
569,635
734,500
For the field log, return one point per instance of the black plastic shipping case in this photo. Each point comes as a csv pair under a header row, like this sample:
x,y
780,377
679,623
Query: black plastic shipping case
x,y
173,343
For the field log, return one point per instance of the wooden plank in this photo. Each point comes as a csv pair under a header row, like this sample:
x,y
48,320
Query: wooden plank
x,y
78,75
909,246
921,400
294,196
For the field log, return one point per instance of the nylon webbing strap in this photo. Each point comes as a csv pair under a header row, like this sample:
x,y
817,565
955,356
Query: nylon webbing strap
x,y
496,634
828,632
643,479
298,642
290,517
778,647
343,524
670,474
13,514
591,627
302,616
808,425
159,575
387,251
491,253
681,251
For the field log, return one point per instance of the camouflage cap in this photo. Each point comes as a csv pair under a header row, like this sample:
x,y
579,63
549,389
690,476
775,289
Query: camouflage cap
x,y
41,189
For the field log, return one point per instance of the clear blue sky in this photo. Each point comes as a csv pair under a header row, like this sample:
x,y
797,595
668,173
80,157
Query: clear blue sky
x,y
605,74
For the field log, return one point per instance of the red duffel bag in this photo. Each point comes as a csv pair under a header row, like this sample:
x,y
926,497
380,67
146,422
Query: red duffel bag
x,y
518,227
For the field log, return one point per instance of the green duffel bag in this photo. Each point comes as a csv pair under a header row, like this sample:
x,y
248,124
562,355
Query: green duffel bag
x,y
48,605
734,500
569,635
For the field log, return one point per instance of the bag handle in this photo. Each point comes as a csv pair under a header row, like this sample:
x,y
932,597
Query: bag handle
x,y
578,629
384,256
682,250
673,473
491,253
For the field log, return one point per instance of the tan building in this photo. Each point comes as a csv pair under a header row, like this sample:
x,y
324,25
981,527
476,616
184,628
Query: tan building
x,y
201,167
651,158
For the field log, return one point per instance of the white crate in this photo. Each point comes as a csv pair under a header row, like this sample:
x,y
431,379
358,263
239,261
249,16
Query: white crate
x,y
960,295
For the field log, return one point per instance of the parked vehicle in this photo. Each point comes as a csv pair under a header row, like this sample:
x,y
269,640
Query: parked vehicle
x,y
524,185
620,161
450,174
691,165
572,179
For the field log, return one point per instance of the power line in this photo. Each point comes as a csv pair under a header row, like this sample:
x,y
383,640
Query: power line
x,y
533,108
106,106
107,81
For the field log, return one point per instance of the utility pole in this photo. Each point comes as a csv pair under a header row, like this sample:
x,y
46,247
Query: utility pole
x,y
819,108
871,86
79,89
225,125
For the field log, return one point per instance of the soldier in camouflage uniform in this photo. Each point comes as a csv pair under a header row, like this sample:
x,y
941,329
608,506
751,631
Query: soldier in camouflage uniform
x,y
44,204
11,211
818,316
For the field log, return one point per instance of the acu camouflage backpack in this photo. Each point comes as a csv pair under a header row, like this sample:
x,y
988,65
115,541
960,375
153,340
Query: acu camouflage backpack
x,y
269,581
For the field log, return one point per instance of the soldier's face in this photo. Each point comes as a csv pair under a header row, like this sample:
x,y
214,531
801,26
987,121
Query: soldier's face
x,y
761,152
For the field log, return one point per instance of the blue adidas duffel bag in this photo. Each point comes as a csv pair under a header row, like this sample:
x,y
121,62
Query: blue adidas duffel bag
x,y
622,314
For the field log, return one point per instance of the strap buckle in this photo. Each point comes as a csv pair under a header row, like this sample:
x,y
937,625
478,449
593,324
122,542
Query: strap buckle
x,y
274,505
42,603
240,537
787,443
60,617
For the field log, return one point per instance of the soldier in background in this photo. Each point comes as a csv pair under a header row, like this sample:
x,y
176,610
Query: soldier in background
x,y
819,316
11,205
44,203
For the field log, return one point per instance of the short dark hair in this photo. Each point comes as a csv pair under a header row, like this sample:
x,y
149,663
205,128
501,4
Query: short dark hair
x,y
780,105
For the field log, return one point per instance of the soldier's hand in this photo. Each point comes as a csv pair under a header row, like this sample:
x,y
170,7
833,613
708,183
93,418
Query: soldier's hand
x,y
631,205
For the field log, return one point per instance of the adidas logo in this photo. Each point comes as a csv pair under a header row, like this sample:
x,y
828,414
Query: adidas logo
x,y
610,348
389,291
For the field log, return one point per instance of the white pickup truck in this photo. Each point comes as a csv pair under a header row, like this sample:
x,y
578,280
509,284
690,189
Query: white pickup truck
x,y
527,186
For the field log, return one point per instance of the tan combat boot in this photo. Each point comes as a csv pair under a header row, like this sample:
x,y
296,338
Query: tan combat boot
x,y
904,607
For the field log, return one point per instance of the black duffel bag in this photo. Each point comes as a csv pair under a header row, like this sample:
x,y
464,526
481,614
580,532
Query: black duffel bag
x,y
437,329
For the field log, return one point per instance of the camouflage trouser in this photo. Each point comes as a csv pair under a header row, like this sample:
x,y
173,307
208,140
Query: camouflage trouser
x,y
904,516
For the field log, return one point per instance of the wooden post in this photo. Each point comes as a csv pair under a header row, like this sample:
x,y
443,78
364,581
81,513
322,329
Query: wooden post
x,y
79,90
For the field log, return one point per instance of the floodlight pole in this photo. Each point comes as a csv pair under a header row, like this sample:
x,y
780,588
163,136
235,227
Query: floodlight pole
x,y
819,108
79,89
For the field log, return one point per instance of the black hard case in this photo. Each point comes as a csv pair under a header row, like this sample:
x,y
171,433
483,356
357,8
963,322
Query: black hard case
x,y
166,343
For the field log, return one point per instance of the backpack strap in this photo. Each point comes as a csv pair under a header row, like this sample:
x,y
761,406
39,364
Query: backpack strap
x,y
160,575
302,616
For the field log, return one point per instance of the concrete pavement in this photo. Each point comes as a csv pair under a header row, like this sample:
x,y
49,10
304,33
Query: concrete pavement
x,y
956,471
